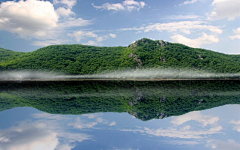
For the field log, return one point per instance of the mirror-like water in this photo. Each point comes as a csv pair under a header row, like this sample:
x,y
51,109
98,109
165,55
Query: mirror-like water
x,y
120,115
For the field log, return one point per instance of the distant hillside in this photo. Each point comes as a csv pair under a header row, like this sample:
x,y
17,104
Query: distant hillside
x,y
144,53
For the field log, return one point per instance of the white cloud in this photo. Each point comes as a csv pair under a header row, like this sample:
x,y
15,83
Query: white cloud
x,y
113,123
112,35
196,116
189,2
90,116
237,34
223,145
79,124
27,18
183,26
74,22
237,125
198,42
177,133
91,43
65,12
225,9
183,142
79,35
128,5
182,17
39,21
38,136
29,136
48,116
69,3
48,42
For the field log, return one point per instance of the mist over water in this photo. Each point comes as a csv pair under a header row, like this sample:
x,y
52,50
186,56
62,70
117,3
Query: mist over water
x,y
123,74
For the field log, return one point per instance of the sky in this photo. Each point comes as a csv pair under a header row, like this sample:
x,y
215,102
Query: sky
x,y
26,25
27,128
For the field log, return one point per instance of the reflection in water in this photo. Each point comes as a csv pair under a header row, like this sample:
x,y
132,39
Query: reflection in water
x,y
143,100
88,120
209,129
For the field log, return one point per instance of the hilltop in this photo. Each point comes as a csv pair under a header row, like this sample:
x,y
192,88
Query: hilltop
x,y
142,54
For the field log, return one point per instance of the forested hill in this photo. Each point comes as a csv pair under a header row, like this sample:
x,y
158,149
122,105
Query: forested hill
x,y
144,53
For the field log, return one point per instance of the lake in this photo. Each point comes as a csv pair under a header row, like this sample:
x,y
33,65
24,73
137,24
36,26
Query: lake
x,y
120,115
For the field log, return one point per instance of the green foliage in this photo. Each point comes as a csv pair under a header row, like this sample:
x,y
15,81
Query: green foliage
x,y
81,59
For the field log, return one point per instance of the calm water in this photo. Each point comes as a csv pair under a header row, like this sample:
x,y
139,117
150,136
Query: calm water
x,y
120,115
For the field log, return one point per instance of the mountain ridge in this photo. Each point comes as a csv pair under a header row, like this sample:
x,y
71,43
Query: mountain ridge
x,y
144,53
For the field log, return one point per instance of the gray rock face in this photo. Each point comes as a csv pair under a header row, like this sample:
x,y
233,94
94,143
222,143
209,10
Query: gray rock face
x,y
163,43
139,98
134,56
146,41
200,57
162,99
200,101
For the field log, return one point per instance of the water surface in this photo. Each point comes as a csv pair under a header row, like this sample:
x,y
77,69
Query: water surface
x,y
120,115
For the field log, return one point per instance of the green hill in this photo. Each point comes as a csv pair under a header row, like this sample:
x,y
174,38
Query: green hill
x,y
144,53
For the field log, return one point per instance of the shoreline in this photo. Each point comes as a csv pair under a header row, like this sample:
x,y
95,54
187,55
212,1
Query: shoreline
x,y
51,80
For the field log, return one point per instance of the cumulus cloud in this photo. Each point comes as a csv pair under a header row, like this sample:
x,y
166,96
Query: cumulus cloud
x,y
198,42
38,20
225,9
128,5
237,34
28,17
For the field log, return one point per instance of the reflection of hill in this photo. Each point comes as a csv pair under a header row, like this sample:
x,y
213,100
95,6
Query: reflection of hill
x,y
144,100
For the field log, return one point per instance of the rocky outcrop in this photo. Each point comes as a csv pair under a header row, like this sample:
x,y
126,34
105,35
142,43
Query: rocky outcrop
x,y
200,57
162,99
162,43
134,56
161,58
139,98
148,41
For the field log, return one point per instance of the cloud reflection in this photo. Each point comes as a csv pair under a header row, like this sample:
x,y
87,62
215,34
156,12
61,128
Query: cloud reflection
x,y
28,137
196,116
45,133
237,125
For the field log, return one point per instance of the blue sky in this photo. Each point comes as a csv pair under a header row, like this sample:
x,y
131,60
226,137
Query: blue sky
x,y
27,25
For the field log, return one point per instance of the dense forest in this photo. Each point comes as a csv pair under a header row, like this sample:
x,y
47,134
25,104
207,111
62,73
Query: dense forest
x,y
142,54
144,100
